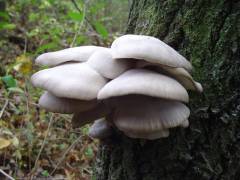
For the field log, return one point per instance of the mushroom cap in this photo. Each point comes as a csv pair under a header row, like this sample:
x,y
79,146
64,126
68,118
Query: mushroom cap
x,y
150,135
184,78
145,82
79,54
73,80
105,65
149,49
180,74
81,118
143,114
100,129
185,124
64,105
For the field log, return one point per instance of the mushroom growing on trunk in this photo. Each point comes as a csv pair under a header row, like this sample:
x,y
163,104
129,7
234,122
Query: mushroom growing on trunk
x,y
139,86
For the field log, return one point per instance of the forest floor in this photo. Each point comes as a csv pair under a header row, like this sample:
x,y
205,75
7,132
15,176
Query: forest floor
x,y
35,143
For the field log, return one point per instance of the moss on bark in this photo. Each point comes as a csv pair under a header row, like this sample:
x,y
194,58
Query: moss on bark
x,y
208,34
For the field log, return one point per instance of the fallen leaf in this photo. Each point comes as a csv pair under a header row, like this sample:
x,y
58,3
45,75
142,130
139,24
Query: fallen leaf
x,y
4,143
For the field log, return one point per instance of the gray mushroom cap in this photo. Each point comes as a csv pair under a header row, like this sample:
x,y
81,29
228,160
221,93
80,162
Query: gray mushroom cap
x,y
64,105
149,135
73,80
185,124
105,65
100,129
180,74
142,114
78,54
149,49
144,82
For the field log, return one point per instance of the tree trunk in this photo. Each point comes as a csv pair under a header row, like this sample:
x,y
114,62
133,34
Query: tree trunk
x,y
207,33
2,5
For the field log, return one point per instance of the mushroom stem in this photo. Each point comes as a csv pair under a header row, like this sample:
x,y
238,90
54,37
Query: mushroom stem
x,y
100,129
82,118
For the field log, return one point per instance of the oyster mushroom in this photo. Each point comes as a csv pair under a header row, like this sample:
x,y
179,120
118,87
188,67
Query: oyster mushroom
x,y
81,118
100,129
145,82
103,62
64,105
74,80
76,54
138,85
180,74
149,49
149,135
145,116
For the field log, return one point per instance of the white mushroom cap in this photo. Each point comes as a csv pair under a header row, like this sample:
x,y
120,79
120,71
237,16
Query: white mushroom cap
x,y
180,74
148,48
100,129
74,80
64,105
79,54
145,82
143,114
82,118
185,124
184,78
149,135
105,65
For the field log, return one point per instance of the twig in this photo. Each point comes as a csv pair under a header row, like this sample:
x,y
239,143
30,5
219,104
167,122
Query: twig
x,y
87,20
27,109
25,45
4,107
5,174
79,28
44,141
64,155
12,100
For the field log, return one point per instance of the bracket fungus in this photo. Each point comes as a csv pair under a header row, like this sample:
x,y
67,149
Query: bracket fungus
x,y
138,85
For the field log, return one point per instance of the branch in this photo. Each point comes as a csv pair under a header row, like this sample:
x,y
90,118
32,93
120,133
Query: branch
x,y
5,174
80,11
43,144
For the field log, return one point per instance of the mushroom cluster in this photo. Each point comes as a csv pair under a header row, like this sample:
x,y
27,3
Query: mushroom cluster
x,y
138,85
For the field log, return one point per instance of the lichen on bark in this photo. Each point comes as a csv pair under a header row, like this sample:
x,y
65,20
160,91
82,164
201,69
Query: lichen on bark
x,y
208,34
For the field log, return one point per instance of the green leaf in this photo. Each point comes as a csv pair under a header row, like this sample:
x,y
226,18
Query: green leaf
x,y
96,7
45,173
100,28
4,15
33,16
89,152
15,90
9,81
46,47
75,16
7,26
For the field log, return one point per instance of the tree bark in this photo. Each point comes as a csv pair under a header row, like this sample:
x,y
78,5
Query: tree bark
x,y
2,5
207,33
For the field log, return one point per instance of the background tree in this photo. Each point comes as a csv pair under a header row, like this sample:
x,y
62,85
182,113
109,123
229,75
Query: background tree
x,y
207,33
2,5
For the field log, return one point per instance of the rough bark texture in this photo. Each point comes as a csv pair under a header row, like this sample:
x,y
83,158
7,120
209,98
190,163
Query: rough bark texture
x,y
207,33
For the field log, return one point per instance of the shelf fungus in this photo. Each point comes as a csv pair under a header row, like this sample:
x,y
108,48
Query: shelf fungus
x,y
138,85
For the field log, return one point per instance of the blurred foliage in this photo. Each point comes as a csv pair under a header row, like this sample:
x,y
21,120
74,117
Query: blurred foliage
x,y
33,142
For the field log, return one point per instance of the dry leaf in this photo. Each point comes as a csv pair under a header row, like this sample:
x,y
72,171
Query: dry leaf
x,y
4,143
23,64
